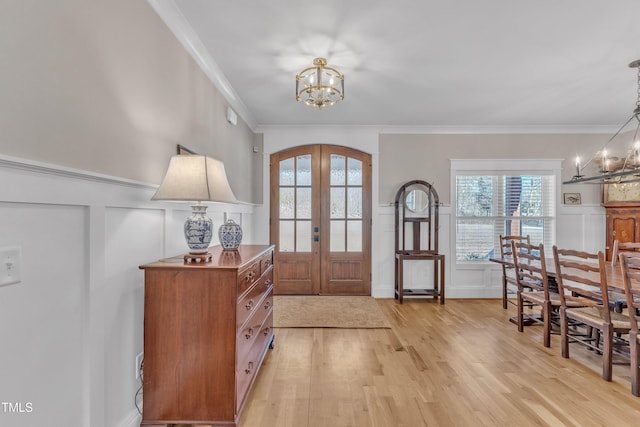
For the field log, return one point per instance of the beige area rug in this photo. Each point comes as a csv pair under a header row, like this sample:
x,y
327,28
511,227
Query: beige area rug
x,y
303,311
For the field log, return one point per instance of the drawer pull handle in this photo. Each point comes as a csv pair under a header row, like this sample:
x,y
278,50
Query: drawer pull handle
x,y
250,276
249,304
249,333
267,283
249,368
266,331
267,305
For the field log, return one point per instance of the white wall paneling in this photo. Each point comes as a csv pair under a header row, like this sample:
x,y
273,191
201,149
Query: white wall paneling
x,y
42,318
579,227
417,274
72,328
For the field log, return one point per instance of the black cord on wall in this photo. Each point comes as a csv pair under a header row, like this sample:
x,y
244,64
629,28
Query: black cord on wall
x,y
139,392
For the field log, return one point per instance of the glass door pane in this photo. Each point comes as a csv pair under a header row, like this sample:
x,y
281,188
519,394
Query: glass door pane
x,y
345,204
295,204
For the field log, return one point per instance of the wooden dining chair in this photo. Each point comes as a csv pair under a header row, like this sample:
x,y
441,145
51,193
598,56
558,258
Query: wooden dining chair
x,y
509,283
619,247
630,265
582,282
533,288
617,301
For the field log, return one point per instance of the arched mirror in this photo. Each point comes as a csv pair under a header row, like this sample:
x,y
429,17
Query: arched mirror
x,y
417,217
416,200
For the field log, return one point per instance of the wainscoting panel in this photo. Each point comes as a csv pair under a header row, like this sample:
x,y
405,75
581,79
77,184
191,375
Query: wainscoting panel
x,y
42,318
580,227
71,330
132,237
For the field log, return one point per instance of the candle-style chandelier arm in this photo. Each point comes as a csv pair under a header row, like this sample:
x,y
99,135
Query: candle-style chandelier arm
x,y
606,145
610,140
612,168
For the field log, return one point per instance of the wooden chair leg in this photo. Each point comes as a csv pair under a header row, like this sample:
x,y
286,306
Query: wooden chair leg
x,y
546,313
504,292
564,333
607,350
635,363
520,312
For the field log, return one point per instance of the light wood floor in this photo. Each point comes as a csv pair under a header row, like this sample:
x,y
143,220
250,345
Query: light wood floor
x,y
461,364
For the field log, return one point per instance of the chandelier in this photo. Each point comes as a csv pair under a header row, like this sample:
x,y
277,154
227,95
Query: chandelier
x,y
611,166
319,86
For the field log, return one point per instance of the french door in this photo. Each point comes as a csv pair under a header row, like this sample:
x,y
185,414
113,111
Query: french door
x,y
321,220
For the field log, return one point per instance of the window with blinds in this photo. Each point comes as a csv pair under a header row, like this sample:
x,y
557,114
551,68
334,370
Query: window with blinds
x,y
491,204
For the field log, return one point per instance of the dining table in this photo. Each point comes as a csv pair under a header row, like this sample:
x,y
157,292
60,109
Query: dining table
x,y
615,281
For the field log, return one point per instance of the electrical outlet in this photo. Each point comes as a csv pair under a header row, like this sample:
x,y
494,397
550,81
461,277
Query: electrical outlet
x,y
139,359
10,260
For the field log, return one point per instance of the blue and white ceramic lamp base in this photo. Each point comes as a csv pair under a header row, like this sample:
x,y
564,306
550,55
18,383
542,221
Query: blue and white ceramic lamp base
x,y
198,231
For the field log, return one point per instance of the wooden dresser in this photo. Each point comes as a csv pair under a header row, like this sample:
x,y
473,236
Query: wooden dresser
x,y
207,328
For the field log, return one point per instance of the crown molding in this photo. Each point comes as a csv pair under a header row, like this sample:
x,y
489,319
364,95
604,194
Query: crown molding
x,y
453,130
559,129
180,27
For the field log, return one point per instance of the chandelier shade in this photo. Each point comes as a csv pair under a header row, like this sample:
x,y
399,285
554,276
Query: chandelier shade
x,y
619,158
319,86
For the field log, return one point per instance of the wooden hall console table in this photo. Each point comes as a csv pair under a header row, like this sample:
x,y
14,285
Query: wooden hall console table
x,y
438,271
207,328
416,227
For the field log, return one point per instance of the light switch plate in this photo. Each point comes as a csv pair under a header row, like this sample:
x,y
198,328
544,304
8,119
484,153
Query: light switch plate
x,y
10,263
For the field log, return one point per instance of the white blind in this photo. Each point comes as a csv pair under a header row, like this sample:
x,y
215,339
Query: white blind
x,y
492,203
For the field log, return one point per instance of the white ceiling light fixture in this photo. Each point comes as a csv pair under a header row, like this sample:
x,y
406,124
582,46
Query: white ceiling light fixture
x,y
319,86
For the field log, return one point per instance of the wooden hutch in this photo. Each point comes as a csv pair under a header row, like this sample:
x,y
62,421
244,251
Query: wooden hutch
x,y
622,206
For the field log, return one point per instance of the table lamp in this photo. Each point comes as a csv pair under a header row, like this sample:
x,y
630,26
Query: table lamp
x,y
196,178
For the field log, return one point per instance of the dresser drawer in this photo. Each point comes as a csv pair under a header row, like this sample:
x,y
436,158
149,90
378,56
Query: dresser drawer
x,y
248,276
266,261
249,302
249,365
251,330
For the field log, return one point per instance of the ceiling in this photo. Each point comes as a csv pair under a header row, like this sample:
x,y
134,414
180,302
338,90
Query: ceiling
x,y
460,65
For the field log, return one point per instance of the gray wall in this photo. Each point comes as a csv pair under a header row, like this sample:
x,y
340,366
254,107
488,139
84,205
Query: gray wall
x,y
404,157
105,86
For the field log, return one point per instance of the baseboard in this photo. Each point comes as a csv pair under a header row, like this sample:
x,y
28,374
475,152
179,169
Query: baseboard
x,y
132,420
451,292
382,292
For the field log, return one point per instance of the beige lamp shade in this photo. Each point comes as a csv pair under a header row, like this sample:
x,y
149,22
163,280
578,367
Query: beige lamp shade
x,y
195,178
